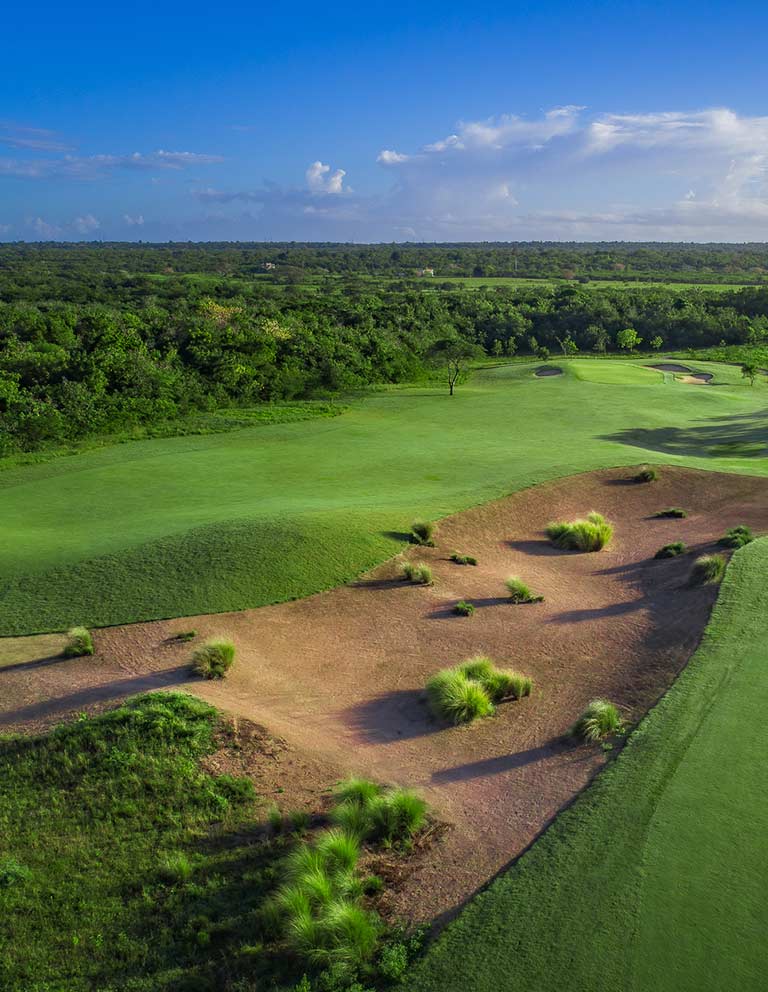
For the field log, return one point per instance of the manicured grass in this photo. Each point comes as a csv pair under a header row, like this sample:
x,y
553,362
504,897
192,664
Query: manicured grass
x,y
675,901
186,525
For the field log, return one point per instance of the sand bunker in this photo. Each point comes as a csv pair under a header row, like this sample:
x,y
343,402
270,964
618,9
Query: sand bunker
x,y
339,676
548,370
696,378
669,367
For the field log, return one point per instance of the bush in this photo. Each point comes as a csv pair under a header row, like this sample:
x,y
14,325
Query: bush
x,y
418,573
397,815
463,608
463,559
456,698
707,569
591,534
672,550
79,643
672,511
185,635
647,474
600,719
423,532
519,592
736,537
213,659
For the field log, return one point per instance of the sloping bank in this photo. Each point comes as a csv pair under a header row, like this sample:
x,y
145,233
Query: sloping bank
x,y
656,878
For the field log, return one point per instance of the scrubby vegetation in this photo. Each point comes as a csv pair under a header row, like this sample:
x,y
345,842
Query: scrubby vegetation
x,y
463,608
418,573
463,559
673,512
79,643
519,592
707,569
672,550
423,532
592,534
647,474
599,720
185,635
371,812
736,537
469,690
213,659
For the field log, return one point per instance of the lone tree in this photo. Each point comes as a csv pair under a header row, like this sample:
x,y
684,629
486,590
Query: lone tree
x,y
749,370
628,339
455,356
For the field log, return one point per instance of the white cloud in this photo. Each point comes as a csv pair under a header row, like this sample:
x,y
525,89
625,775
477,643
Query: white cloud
x,y
389,157
134,221
86,224
44,230
320,179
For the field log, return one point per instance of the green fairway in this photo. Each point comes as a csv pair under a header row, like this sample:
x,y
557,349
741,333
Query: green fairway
x,y
656,877
185,525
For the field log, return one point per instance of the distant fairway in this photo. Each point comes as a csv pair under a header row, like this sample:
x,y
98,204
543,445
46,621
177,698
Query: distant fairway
x,y
656,878
188,525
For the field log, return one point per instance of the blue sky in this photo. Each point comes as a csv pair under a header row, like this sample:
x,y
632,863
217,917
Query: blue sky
x,y
374,122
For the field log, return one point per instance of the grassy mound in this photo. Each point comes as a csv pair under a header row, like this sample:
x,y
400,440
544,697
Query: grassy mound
x,y
592,534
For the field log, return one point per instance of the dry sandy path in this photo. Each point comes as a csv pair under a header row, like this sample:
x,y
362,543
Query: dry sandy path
x,y
340,675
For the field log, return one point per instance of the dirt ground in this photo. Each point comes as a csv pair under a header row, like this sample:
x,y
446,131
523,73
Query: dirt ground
x,y
338,678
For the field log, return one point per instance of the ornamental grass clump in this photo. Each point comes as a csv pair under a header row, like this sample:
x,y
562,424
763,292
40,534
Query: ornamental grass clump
x,y
599,720
672,511
736,537
79,643
463,559
707,570
417,573
463,608
368,812
647,474
471,689
591,534
519,592
213,659
672,550
423,532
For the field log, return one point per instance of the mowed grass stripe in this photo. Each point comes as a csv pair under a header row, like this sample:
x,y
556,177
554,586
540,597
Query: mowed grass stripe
x,y
655,878
145,530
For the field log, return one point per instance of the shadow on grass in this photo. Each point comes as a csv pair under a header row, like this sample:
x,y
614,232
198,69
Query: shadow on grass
x,y
401,536
740,436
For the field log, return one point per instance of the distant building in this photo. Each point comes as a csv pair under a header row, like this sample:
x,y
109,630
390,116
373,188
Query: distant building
x,y
425,272
268,266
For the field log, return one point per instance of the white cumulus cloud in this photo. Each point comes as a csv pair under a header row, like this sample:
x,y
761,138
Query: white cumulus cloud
x,y
320,179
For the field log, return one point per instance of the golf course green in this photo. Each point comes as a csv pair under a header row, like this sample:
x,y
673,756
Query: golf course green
x,y
185,525
655,878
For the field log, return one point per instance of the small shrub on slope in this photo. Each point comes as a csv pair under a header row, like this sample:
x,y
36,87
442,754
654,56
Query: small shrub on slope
x,y
672,550
418,574
423,532
672,511
463,608
469,690
591,534
736,537
600,719
519,592
213,659
647,474
707,569
463,559
79,643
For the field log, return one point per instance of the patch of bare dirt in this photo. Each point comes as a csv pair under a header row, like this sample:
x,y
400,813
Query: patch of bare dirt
x,y
337,679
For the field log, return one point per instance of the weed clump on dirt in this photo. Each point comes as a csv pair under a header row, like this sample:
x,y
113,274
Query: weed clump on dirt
x,y
471,689
591,534
185,635
736,537
647,474
672,550
519,592
423,532
213,659
672,511
79,643
599,720
418,573
463,559
369,812
463,608
707,569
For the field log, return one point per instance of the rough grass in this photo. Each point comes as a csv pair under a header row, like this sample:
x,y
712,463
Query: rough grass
x,y
737,537
423,532
267,532
519,592
672,511
600,719
368,812
707,569
471,689
463,559
213,659
661,813
591,534
418,573
79,643
647,474
672,550
464,609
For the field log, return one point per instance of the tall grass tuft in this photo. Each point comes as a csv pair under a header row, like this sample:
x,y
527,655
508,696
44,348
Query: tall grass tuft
x,y
469,690
463,608
79,643
397,815
519,592
736,537
676,512
463,559
213,659
418,573
357,790
591,534
423,532
600,719
647,474
672,550
707,570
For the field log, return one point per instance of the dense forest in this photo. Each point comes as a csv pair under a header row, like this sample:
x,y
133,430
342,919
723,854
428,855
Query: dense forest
x,y
97,339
